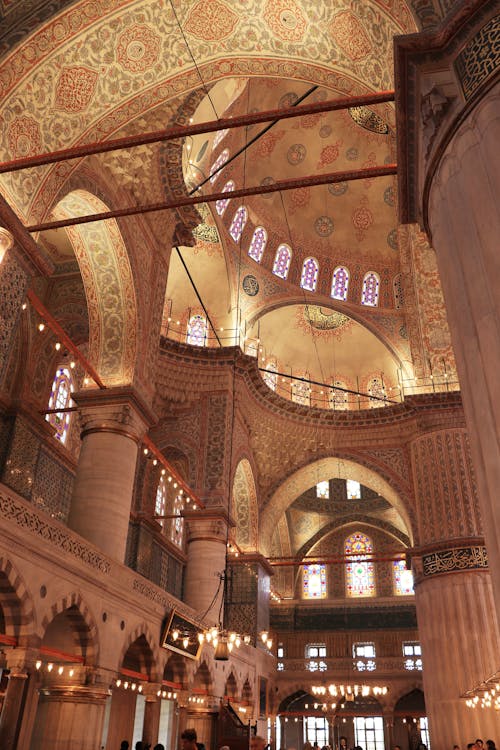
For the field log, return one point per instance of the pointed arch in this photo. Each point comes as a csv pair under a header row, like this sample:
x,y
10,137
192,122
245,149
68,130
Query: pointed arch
x,y
258,244
15,601
73,614
359,572
282,261
245,506
238,223
340,283
371,288
309,277
107,277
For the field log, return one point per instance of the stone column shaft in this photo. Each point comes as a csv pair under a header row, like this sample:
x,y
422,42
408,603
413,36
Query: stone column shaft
x,y
206,552
10,717
113,422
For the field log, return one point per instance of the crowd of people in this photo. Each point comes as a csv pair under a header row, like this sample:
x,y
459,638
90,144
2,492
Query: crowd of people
x,y
189,741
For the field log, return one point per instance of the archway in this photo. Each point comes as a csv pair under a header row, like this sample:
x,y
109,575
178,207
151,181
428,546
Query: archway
x,y
308,476
107,277
244,503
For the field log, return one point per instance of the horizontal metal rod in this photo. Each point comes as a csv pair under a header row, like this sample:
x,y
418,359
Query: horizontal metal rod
x,y
334,560
291,184
183,131
327,386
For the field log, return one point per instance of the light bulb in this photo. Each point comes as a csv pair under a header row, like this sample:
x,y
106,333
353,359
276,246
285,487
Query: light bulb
x,y
175,635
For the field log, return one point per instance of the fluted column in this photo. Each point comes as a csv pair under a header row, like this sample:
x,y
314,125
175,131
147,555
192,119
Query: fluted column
x,y
69,718
10,718
454,598
464,218
151,719
206,553
113,422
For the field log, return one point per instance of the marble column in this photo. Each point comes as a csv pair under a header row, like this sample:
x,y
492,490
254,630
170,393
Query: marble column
x,y
457,621
464,218
11,715
206,553
460,646
151,720
69,718
113,422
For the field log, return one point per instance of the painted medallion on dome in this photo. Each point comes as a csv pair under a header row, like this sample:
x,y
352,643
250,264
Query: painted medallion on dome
x,y
138,48
75,88
211,20
349,34
286,19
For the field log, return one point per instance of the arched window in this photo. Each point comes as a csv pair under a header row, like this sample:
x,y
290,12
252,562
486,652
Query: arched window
x,y
301,392
360,577
338,399
238,223
314,581
197,331
177,528
282,261
60,398
340,283
219,136
258,244
161,501
323,489
270,376
397,285
221,159
377,392
403,578
309,277
353,489
222,203
371,285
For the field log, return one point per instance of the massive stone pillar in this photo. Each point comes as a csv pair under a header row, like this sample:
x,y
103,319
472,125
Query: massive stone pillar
x,y
10,717
464,218
448,105
206,552
457,622
113,422
69,718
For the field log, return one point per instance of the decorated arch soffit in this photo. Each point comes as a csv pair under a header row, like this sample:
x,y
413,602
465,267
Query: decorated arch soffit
x,y
100,65
300,481
245,506
109,288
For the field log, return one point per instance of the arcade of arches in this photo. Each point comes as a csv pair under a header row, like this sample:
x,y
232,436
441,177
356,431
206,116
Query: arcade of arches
x,y
275,411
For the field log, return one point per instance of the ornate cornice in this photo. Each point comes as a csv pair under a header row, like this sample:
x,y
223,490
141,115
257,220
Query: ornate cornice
x,y
415,57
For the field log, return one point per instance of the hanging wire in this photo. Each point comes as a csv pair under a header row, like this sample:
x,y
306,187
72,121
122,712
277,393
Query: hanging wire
x,y
204,85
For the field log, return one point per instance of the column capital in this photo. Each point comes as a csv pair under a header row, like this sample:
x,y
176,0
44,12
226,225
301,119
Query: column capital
x,y
118,410
208,523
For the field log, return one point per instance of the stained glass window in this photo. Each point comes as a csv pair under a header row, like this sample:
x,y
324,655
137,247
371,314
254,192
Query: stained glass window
x,y
238,223
60,398
282,261
360,577
353,489
371,284
177,527
219,136
221,159
222,203
338,399
197,331
309,277
271,375
323,489
340,283
161,501
258,244
403,578
301,392
314,581
377,393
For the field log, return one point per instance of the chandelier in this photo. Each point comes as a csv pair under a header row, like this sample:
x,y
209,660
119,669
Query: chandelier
x,y
346,692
